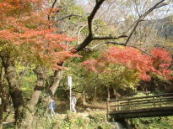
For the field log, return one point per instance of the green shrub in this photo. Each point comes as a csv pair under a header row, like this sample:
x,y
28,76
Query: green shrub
x,y
73,121
153,123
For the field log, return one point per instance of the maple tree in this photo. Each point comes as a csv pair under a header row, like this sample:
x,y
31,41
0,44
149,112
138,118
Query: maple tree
x,y
158,62
25,25
27,35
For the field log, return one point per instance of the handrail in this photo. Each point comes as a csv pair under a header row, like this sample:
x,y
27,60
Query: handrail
x,y
151,99
154,101
131,98
142,103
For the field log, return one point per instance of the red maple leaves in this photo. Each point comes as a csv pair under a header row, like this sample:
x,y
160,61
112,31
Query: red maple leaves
x,y
25,22
158,62
162,61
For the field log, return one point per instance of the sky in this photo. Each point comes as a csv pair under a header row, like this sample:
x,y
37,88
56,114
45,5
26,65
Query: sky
x,y
82,2
160,13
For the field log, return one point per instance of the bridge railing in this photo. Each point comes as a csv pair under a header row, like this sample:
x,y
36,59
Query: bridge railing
x,y
144,102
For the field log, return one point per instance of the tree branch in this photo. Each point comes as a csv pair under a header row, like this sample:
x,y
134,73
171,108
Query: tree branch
x,y
116,43
109,37
93,13
141,18
89,38
68,16
52,7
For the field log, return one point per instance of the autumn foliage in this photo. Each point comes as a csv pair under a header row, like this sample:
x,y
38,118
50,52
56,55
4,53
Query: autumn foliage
x,y
158,61
25,23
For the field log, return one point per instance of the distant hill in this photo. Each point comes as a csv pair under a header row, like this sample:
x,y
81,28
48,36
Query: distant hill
x,y
165,28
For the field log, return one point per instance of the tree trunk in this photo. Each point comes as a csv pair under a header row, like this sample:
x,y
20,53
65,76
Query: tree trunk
x,y
17,99
1,97
1,104
57,79
14,90
30,108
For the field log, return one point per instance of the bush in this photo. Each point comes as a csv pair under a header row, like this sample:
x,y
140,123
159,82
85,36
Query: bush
x,y
152,123
73,121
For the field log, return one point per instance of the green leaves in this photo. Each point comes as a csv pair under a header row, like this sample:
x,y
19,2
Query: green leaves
x,y
152,123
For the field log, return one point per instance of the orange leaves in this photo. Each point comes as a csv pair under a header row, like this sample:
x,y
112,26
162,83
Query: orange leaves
x,y
5,6
60,37
131,58
7,35
162,60
34,1
162,56
30,33
25,23
13,6
134,59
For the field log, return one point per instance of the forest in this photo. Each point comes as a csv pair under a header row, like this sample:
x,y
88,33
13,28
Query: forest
x,y
62,61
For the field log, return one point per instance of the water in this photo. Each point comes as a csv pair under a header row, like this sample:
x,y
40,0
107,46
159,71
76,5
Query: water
x,y
121,125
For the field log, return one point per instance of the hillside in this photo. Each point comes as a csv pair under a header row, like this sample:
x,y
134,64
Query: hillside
x,y
165,28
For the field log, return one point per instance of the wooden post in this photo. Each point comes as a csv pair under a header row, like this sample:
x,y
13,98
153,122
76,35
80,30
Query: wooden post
x,y
129,104
118,104
154,104
116,107
108,109
108,99
160,104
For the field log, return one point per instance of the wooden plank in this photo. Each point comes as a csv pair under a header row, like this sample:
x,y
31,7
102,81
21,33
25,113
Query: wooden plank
x,y
152,112
143,110
142,97
146,101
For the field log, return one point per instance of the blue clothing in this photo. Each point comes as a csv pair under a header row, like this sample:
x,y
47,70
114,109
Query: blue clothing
x,y
52,105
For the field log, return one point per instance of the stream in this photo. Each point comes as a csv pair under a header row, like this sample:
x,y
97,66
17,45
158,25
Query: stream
x,y
122,125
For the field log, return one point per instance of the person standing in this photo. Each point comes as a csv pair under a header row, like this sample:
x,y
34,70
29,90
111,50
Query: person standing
x,y
73,103
52,106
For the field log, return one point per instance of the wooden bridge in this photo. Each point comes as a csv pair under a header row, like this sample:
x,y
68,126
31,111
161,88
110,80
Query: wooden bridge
x,y
134,107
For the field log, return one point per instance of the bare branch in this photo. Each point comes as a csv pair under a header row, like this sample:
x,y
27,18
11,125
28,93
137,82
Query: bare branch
x,y
161,5
52,7
81,28
115,43
93,13
109,37
89,38
68,16
141,18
